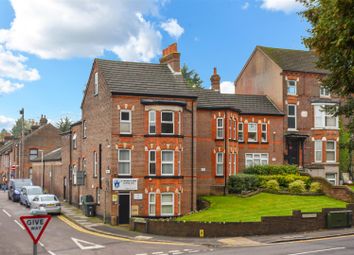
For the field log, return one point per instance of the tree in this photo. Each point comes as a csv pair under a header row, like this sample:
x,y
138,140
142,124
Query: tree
x,y
191,77
332,39
17,128
64,124
3,133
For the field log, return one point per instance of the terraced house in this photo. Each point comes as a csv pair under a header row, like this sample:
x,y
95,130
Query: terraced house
x,y
292,80
148,144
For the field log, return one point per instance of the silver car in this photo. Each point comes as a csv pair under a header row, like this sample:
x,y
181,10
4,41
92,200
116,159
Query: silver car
x,y
28,193
50,203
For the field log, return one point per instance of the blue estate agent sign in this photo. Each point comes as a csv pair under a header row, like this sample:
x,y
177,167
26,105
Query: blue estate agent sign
x,y
124,184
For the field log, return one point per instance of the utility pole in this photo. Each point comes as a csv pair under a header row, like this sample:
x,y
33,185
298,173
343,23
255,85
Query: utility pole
x,y
22,148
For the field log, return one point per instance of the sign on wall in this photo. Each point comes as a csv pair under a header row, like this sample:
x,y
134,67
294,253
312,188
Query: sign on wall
x,y
121,184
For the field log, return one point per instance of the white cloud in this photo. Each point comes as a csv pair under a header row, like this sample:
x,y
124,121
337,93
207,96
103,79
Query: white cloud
x,y
13,67
286,6
227,87
245,6
172,27
81,28
6,122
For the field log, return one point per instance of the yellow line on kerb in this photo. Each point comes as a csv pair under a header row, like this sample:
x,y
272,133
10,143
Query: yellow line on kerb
x,y
83,230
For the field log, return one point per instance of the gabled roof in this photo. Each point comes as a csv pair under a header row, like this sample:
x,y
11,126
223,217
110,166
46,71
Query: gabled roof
x,y
293,60
245,104
54,155
143,79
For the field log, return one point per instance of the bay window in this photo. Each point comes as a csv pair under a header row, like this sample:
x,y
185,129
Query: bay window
x,y
324,118
331,151
167,123
167,202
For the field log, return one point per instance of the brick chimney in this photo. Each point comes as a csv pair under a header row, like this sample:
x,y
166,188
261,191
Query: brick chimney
x,y
215,81
43,120
172,57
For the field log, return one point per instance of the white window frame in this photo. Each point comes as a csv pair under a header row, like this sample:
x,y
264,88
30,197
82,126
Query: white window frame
x,y
125,161
179,123
152,122
221,163
332,180
152,162
292,116
125,121
248,129
168,204
294,85
318,146
95,92
168,162
74,174
168,122
242,131
152,204
179,162
264,132
220,128
95,164
235,161
235,130
334,150
230,164
261,156
32,156
324,92
320,115
74,141
84,129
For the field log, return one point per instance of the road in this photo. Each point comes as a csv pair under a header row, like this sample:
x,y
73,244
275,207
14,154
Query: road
x,y
63,238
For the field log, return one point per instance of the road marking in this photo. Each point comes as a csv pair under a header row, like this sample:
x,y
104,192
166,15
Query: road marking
x,y
193,251
51,253
41,244
318,251
174,251
87,245
20,225
141,254
6,212
177,252
83,230
157,252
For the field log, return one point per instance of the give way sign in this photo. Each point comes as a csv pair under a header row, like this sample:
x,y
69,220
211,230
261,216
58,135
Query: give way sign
x,y
35,225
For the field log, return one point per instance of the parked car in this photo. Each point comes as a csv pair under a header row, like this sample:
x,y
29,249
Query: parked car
x,y
15,186
28,193
50,203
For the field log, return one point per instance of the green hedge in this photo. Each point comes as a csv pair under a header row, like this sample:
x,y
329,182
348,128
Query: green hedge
x,y
243,182
272,170
284,180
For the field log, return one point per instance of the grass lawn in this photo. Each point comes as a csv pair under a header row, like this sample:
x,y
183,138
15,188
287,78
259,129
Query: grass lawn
x,y
351,186
236,209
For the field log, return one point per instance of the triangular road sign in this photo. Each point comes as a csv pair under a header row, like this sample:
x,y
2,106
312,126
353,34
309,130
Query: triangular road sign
x,y
84,245
35,225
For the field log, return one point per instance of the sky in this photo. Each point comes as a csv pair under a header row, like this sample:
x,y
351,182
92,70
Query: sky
x,y
47,47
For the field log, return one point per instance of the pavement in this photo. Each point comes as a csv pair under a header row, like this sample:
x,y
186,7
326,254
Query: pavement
x,y
95,224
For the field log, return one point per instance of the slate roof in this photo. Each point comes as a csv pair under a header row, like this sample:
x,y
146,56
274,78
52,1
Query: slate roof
x,y
143,79
245,104
293,60
54,155
6,147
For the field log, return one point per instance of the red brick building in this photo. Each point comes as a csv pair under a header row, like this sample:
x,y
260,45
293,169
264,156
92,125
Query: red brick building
x,y
292,81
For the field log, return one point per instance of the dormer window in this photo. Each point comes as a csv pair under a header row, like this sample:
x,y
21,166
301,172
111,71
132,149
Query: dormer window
x,y
324,92
292,87
96,84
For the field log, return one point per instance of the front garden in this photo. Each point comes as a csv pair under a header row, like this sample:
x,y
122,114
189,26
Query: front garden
x,y
265,191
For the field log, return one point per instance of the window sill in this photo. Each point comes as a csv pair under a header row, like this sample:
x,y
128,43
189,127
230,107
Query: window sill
x,y
233,140
164,135
219,139
126,135
293,130
125,176
219,176
325,128
264,142
252,142
163,177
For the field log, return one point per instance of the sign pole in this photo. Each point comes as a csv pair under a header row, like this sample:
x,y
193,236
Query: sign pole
x,y
34,249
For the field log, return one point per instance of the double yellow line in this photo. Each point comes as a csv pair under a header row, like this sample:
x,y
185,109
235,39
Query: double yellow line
x,y
83,230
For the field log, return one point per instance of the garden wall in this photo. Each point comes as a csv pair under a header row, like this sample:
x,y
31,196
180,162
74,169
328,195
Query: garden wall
x,y
298,222
343,193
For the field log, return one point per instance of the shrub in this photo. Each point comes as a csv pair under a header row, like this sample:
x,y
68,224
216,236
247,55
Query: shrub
x,y
242,182
315,187
297,187
272,185
283,180
272,170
